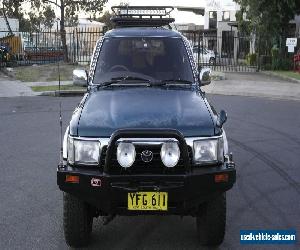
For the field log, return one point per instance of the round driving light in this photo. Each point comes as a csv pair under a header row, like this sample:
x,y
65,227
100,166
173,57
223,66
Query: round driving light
x,y
126,154
170,154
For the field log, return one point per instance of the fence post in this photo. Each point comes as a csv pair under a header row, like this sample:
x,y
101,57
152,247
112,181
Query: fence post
x,y
77,45
73,43
258,54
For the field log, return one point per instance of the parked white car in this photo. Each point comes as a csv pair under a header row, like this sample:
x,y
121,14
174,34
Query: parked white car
x,y
205,55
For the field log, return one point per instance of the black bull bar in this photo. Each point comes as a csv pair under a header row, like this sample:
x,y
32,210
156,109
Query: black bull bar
x,y
147,134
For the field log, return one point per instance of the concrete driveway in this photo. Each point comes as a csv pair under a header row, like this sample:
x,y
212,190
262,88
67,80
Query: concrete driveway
x,y
255,84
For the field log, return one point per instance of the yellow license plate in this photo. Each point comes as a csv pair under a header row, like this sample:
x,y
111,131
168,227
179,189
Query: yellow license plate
x,y
148,201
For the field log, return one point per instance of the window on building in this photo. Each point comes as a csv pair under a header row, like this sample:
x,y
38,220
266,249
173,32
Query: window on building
x,y
212,20
226,16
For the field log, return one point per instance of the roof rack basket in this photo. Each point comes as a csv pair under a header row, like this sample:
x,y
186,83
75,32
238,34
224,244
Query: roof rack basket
x,y
142,16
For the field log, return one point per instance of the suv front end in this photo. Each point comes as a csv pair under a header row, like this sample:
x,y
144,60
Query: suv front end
x,y
144,139
106,185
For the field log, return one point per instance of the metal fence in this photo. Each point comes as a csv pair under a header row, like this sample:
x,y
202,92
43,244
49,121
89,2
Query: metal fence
x,y
25,48
231,51
223,52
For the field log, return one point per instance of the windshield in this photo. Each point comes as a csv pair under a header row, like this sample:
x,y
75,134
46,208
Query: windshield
x,y
153,59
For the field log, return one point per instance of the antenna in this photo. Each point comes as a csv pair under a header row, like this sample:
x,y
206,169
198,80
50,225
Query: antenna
x,y
60,118
58,70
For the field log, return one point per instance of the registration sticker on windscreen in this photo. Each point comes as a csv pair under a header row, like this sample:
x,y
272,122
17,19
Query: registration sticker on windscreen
x,y
151,201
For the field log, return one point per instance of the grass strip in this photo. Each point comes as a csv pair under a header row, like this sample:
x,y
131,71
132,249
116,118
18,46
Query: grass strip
x,y
55,87
291,74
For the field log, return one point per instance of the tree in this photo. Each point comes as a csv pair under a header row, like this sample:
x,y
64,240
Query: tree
x,y
48,17
71,19
38,15
68,8
106,19
268,22
41,18
35,21
13,9
267,18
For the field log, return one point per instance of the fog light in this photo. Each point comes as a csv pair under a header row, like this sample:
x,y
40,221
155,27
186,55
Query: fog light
x,y
170,154
126,154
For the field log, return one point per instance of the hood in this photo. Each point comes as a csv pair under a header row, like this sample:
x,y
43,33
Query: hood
x,y
108,110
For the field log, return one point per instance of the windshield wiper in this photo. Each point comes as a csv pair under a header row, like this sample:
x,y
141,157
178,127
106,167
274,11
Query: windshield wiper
x,y
104,84
170,81
121,80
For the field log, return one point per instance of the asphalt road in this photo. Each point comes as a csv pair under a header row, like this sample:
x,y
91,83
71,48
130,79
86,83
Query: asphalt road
x,y
263,135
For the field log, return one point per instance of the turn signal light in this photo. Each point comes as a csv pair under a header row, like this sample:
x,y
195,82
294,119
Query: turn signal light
x,y
221,178
72,178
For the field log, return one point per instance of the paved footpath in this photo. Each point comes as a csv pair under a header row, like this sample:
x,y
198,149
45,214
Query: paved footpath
x,y
255,84
13,88
9,88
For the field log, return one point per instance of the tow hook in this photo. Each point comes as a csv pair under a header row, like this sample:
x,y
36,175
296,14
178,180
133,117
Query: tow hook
x,y
107,219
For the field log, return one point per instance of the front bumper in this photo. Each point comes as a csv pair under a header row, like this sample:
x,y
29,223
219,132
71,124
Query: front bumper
x,y
185,191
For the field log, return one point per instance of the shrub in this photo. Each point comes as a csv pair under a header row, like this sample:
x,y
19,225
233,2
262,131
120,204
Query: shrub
x,y
267,66
275,52
280,63
251,59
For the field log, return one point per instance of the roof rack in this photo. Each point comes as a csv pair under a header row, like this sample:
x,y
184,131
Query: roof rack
x,y
142,16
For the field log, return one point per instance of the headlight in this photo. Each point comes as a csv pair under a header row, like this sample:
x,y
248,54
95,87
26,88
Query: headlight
x,y
170,154
126,154
83,152
208,151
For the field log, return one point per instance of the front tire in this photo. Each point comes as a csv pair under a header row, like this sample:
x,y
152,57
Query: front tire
x,y
211,221
78,221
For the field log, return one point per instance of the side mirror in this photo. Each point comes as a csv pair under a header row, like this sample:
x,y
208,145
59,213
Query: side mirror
x,y
222,118
80,77
205,76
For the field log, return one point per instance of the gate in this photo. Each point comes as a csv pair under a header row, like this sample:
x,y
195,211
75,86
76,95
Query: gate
x,y
223,51
82,43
